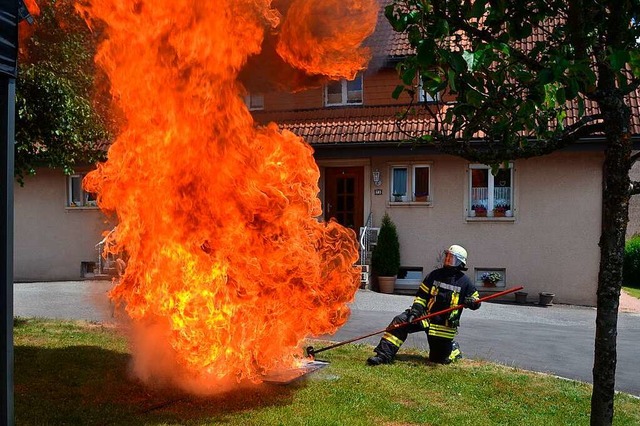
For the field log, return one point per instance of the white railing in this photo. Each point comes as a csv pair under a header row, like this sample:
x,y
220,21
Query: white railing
x,y
101,258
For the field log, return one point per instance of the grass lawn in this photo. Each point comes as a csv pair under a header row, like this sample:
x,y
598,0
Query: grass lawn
x,y
635,292
77,373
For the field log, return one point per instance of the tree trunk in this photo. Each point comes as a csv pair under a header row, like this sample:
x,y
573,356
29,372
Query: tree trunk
x,y
615,214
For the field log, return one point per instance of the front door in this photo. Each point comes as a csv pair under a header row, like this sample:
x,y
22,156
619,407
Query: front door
x,y
344,197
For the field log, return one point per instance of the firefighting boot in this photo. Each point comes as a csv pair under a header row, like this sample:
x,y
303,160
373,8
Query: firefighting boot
x,y
377,360
385,351
455,354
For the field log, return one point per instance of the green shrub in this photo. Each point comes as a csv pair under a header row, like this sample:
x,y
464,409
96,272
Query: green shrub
x,y
631,267
385,259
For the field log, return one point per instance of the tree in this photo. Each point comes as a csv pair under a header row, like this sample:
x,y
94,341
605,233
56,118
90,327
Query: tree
x,y
518,69
61,121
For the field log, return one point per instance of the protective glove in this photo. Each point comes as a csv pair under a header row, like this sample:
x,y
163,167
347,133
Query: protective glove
x,y
471,303
412,315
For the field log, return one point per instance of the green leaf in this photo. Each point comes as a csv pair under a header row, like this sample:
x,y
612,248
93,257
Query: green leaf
x,y
441,28
425,53
619,58
571,90
561,98
470,59
397,91
634,61
457,62
408,75
546,76
431,75
451,75
478,9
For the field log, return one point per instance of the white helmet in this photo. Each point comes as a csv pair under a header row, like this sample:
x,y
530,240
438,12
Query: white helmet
x,y
455,256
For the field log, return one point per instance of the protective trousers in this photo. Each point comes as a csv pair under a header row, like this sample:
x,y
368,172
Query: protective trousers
x,y
442,350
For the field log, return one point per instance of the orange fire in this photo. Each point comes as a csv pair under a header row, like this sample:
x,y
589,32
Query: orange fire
x,y
228,268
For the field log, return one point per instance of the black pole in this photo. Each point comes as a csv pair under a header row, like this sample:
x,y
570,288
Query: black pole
x,y
8,72
7,143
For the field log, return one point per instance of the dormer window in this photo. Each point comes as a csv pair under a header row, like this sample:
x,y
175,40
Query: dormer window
x,y
424,97
344,92
254,101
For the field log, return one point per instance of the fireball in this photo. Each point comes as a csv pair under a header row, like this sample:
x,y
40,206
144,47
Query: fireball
x,y
229,267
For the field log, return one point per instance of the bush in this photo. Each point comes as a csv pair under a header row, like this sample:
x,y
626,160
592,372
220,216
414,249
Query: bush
x,y
385,259
631,266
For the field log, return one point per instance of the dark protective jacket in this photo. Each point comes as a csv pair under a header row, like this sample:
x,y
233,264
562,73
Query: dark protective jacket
x,y
444,288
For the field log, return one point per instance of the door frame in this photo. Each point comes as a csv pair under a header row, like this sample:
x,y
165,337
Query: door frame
x,y
365,163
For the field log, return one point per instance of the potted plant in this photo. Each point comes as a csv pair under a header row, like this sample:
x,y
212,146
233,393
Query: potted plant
x,y
421,197
385,259
489,279
499,210
480,210
398,197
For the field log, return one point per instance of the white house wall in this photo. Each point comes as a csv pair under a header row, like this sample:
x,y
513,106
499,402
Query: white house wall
x,y
51,240
633,227
552,244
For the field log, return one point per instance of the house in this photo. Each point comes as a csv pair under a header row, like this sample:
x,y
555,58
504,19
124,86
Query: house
x,y
536,222
57,228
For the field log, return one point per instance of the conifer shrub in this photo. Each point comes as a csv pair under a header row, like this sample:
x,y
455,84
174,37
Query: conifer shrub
x,y
385,259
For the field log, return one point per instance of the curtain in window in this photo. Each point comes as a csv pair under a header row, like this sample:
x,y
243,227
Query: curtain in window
x,y
400,181
480,187
502,189
421,180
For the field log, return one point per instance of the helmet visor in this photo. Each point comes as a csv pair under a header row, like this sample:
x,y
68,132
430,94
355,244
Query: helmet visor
x,y
452,259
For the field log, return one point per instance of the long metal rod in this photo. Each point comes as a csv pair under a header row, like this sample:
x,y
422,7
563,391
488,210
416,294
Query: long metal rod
x,y
311,351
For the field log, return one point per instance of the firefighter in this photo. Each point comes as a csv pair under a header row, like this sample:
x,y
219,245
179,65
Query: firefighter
x,y
443,288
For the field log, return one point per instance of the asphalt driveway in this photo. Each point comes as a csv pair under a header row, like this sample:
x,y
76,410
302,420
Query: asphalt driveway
x,y
558,339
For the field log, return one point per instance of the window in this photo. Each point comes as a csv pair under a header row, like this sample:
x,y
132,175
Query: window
x,y
344,92
76,195
424,96
410,183
490,196
482,273
255,101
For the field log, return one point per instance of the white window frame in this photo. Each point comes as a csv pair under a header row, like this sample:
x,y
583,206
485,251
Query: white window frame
x,y
409,197
345,93
81,200
491,204
254,101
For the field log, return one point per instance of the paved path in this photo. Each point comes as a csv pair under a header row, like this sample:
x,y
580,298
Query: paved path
x,y
557,339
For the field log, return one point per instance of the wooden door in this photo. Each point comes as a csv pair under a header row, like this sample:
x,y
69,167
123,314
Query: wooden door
x,y
344,197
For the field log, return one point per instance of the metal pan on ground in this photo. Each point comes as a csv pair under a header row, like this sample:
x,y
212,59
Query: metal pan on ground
x,y
284,377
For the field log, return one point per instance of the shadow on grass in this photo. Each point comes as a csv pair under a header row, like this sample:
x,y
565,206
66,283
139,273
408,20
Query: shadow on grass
x,y
415,359
89,385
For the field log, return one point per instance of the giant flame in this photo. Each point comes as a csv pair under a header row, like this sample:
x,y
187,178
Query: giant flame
x,y
228,268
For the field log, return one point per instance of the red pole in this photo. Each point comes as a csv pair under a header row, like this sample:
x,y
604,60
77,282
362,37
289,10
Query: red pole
x,y
311,352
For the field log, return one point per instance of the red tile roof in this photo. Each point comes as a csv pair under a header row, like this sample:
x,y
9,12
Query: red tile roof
x,y
385,42
361,124
378,125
